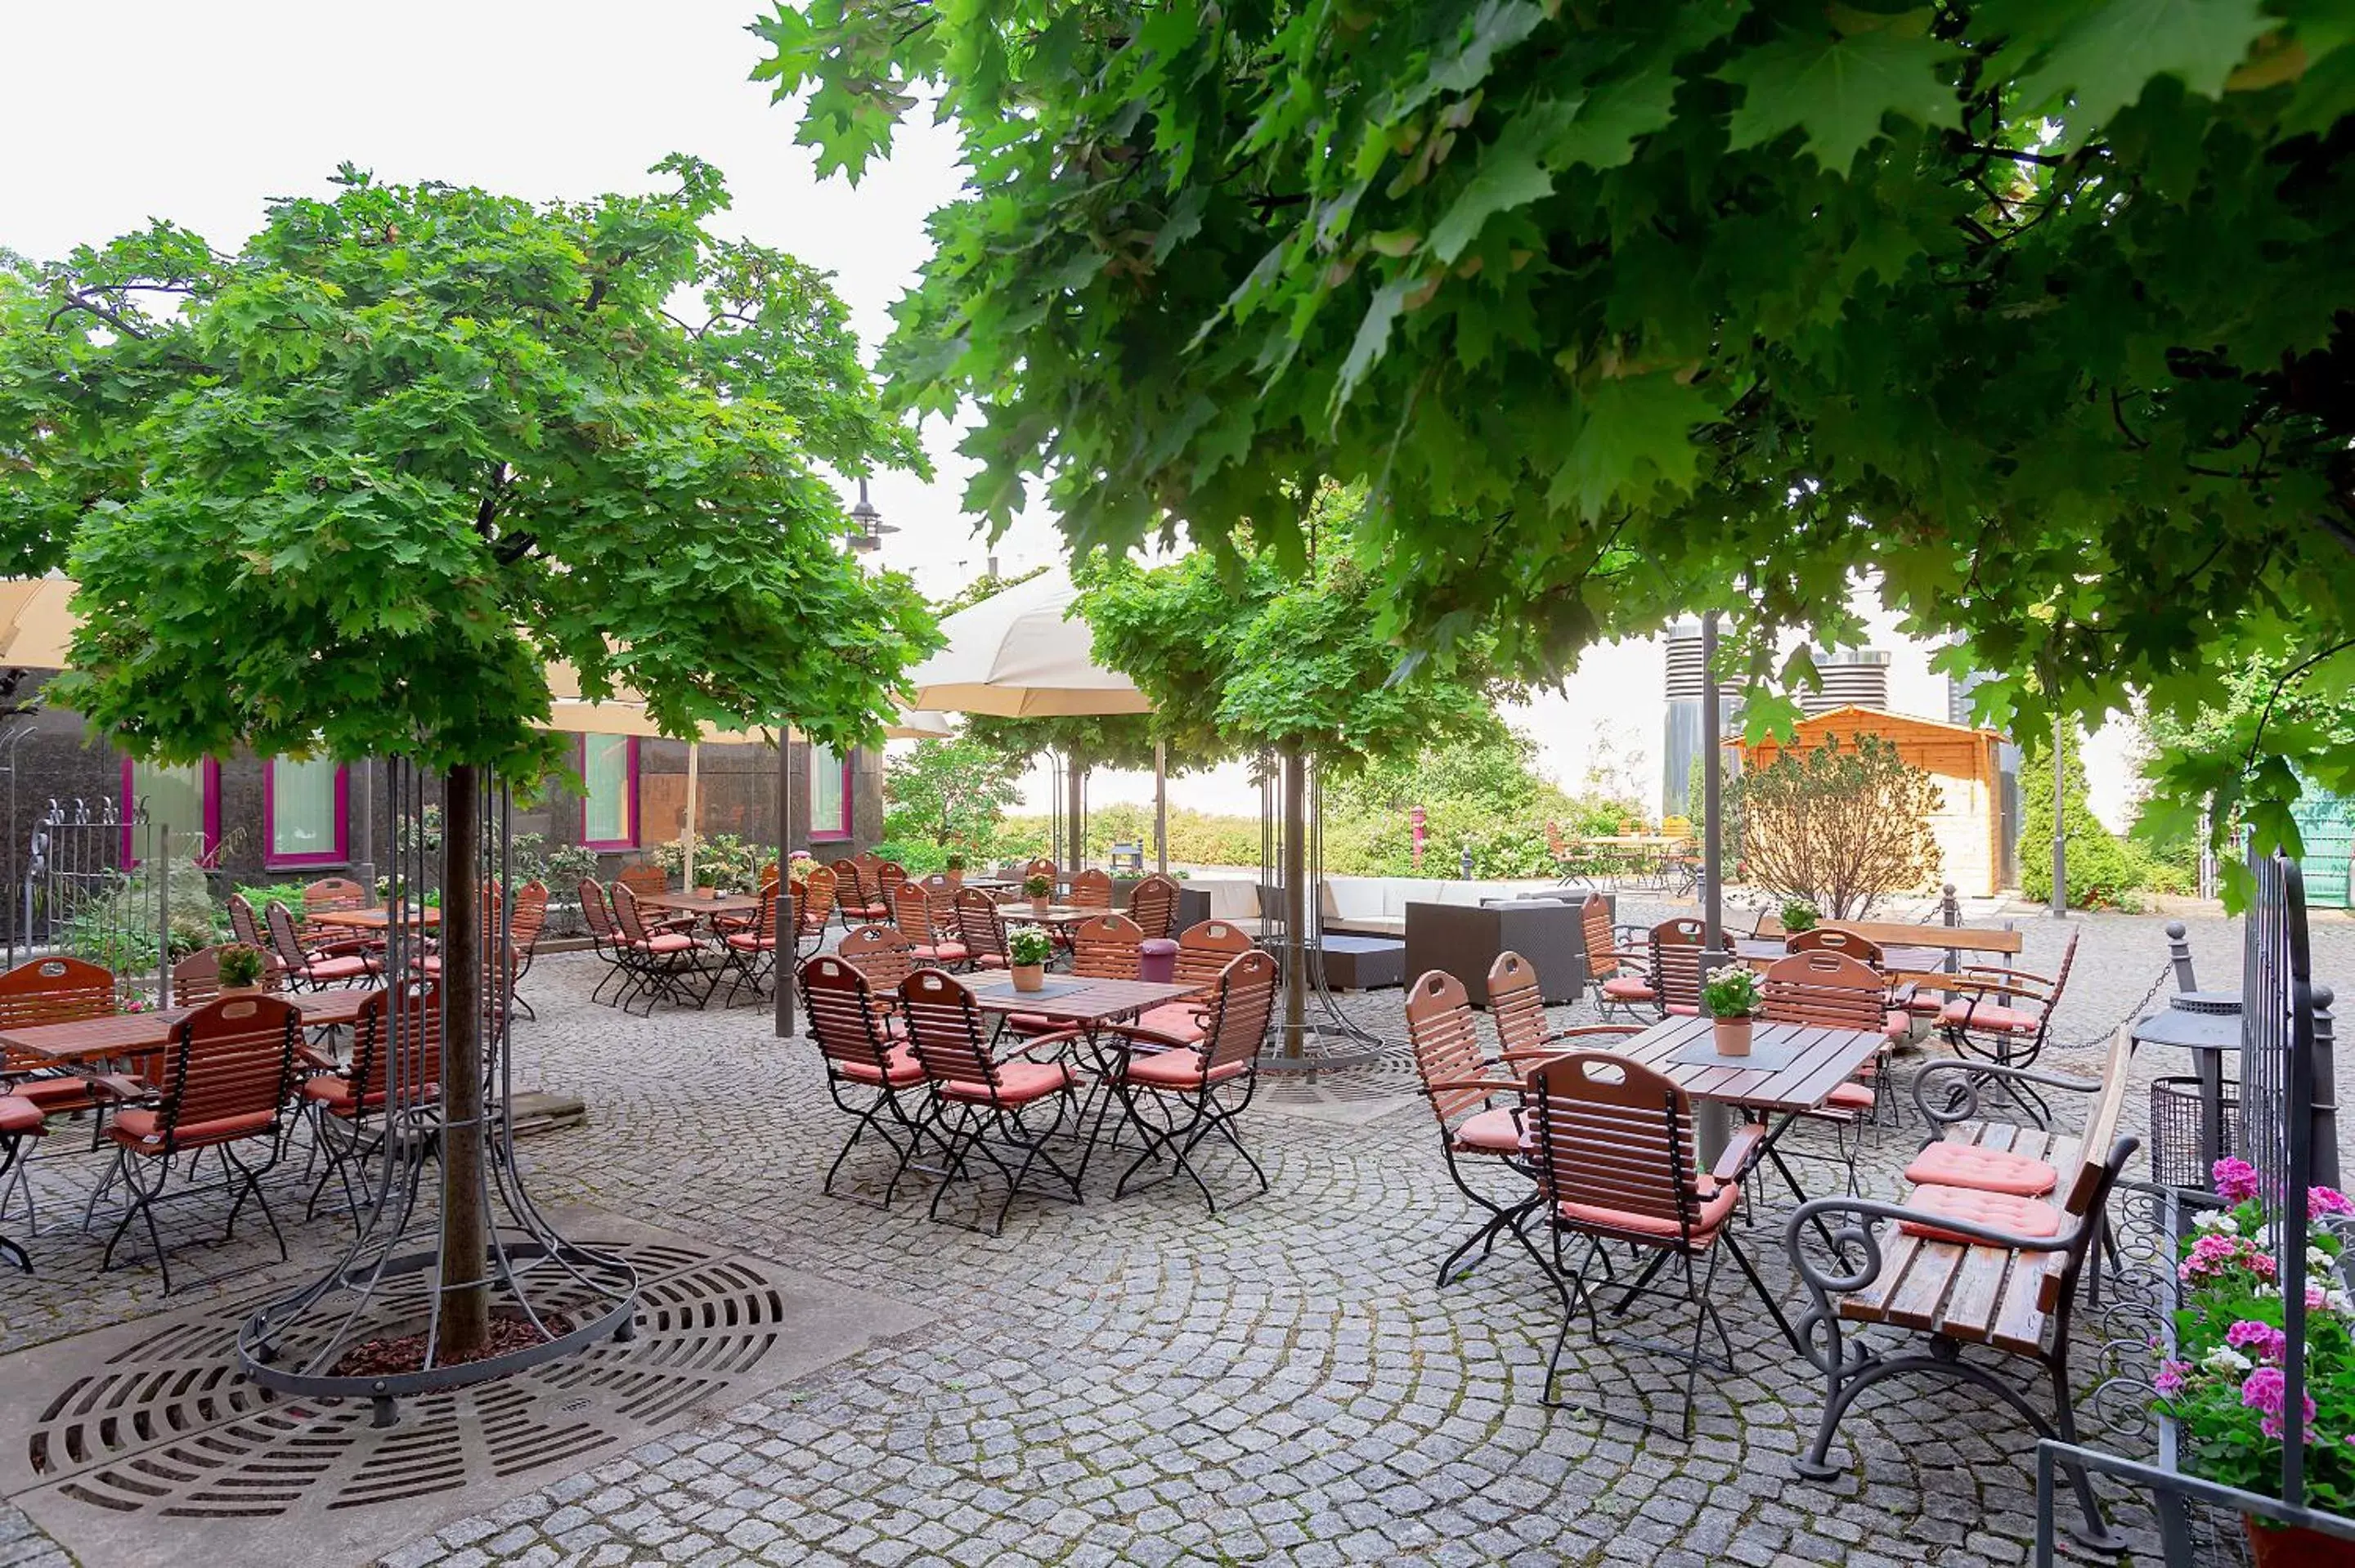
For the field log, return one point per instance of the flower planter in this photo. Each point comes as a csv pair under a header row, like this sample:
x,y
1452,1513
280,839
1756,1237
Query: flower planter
x,y
1730,1036
954,878
1040,906
1029,976
2294,1546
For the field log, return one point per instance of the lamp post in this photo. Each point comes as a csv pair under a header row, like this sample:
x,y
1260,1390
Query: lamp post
x,y
870,527
2059,900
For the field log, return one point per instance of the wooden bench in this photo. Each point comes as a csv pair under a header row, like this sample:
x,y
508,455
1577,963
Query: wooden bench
x,y
1898,933
1969,1282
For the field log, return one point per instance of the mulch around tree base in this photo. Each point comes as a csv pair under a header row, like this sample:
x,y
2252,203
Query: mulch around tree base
x,y
406,1352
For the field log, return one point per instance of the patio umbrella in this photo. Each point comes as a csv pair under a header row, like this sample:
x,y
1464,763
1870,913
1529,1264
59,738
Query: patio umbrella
x,y
1021,653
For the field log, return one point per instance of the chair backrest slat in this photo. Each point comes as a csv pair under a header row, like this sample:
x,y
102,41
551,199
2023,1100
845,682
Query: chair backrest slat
x,y
846,1015
883,953
1239,1010
813,904
1836,939
232,1057
1092,889
1676,962
890,877
979,925
1613,1134
912,913
1594,925
530,918
595,913
377,1069
243,926
644,879
285,943
1516,1002
1153,905
1446,1043
1107,947
1206,947
1826,987
945,1030
626,918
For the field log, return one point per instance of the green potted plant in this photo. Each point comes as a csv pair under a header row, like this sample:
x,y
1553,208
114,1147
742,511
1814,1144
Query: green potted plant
x,y
1042,889
239,967
1028,949
953,869
1731,995
2223,1383
1798,915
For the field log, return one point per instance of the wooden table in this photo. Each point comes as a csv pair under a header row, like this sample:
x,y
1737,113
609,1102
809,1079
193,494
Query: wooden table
x,y
1826,1058
1946,938
1081,1003
377,919
1897,959
143,1033
695,903
1057,914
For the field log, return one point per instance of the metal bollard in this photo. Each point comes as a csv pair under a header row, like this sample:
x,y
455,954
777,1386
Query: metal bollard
x,y
2178,957
2325,1113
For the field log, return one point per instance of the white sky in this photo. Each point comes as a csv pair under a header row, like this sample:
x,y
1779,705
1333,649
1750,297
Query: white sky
x,y
201,112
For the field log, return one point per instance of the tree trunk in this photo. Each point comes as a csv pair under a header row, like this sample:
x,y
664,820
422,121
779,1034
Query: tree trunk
x,y
1075,776
465,1300
1295,902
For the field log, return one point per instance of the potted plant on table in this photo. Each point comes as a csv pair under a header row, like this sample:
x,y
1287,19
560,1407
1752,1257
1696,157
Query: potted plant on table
x,y
952,868
1798,915
1731,998
1028,949
239,967
2224,1383
1042,889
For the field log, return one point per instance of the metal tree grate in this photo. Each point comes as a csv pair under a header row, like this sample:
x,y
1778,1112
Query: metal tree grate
x,y
159,1434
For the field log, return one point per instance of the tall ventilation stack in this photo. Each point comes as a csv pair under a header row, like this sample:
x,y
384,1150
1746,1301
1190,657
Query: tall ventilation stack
x,y
1852,678
1681,746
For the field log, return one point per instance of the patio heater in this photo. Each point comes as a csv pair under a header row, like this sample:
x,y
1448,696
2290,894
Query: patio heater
x,y
386,1301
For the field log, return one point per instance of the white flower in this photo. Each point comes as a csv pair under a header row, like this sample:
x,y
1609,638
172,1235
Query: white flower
x,y
2217,1220
2266,1292
2226,1360
2336,1300
2317,1261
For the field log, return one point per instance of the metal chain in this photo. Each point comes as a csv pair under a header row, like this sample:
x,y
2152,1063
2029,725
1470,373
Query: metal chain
x,y
2102,1036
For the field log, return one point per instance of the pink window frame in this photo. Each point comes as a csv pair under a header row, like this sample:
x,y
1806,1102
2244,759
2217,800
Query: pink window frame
x,y
340,856
842,829
629,841
208,785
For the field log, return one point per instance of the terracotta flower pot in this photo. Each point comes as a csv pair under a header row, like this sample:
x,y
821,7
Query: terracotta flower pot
x,y
1040,906
1731,1035
253,990
2293,1546
954,878
1029,976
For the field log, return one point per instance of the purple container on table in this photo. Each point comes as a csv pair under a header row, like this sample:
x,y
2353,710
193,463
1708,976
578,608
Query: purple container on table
x,y
1156,960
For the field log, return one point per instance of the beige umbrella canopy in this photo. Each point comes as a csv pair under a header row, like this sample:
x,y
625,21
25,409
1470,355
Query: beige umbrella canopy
x,y
1020,654
36,621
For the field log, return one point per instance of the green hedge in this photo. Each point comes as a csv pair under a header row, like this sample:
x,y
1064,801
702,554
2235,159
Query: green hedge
x,y
2105,871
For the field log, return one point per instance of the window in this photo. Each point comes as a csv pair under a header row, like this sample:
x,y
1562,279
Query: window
x,y
303,805
609,810
186,799
829,790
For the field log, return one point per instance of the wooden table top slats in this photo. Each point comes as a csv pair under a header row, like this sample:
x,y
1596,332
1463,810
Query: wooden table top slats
x,y
1100,1002
377,919
134,1033
1958,938
719,903
1826,1058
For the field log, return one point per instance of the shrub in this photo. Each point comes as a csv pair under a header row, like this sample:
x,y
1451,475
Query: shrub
x,y
2105,871
1840,827
916,857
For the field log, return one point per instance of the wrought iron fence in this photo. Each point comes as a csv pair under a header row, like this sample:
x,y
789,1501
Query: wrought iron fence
x,y
128,893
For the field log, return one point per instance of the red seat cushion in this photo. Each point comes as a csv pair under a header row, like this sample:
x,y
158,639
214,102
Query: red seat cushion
x,y
751,942
901,1069
1018,1082
337,969
1179,1020
992,960
665,942
55,1096
1899,1024
19,1116
1711,1212
1030,1024
333,1091
1175,1070
940,953
1982,1171
1960,1015
1490,1132
139,1130
1679,1009
1849,1097
1626,988
1998,1211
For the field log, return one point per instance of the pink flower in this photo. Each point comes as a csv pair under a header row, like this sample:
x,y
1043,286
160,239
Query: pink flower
x,y
2262,1340
2216,1253
2321,1200
2169,1381
2266,1391
2236,1180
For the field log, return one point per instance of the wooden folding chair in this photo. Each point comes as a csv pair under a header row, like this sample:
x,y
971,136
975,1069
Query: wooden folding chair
x,y
868,1067
348,1106
982,1103
1202,1085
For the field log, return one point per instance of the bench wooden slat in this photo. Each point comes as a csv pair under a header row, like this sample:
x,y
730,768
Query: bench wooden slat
x,y
1971,1306
1916,1303
1871,1305
2019,1321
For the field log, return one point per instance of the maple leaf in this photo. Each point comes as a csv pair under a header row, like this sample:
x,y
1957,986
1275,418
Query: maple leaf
x,y
2110,54
1636,434
1839,88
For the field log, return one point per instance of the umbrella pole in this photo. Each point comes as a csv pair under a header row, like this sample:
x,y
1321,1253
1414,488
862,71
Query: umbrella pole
x,y
1161,806
1075,775
782,964
687,833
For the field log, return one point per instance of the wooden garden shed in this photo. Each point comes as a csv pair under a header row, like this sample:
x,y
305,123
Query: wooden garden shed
x,y
1965,763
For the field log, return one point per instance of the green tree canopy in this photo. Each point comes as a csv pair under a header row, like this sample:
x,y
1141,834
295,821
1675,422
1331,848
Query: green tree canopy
x,y
954,791
2037,308
353,487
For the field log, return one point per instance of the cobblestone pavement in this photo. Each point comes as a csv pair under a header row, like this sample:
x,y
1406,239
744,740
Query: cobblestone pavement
x,y
1135,1381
